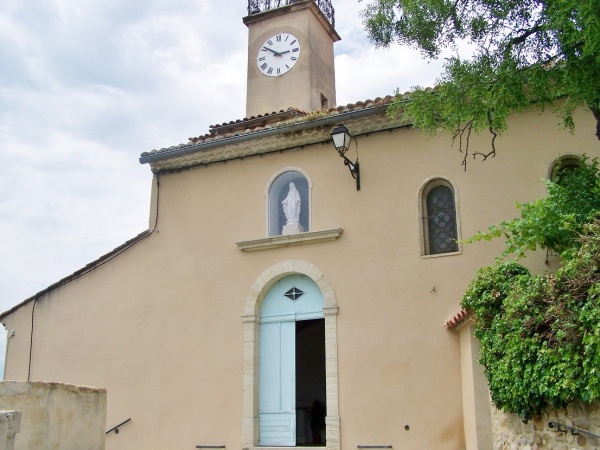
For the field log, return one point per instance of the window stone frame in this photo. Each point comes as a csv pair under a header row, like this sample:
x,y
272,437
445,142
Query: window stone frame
x,y
566,160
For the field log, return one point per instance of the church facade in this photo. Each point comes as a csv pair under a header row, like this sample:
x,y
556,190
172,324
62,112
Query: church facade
x,y
284,296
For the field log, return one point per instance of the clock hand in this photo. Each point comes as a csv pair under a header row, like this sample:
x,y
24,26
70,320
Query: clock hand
x,y
276,53
271,50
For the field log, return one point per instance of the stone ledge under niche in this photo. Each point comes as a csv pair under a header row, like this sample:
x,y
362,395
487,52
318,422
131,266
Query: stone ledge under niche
x,y
309,237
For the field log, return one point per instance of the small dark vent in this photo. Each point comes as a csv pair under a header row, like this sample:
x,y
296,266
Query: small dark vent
x,y
258,6
294,294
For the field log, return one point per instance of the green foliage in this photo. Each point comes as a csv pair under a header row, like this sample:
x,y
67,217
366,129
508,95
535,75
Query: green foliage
x,y
540,334
524,52
553,222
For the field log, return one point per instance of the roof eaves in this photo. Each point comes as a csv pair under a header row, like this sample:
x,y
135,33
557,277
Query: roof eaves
x,y
79,273
253,122
459,320
315,119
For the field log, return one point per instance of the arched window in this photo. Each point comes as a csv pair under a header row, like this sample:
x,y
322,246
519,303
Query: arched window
x,y
563,165
440,231
288,204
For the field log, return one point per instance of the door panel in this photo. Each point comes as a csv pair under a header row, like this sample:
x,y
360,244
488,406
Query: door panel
x,y
277,378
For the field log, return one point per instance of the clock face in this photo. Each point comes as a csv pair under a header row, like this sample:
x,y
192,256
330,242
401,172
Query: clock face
x,y
278,54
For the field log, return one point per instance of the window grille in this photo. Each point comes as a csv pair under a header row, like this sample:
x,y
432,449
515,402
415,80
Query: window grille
x,y
440,220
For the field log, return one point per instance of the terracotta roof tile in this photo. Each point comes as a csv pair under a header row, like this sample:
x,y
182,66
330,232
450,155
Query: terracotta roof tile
x,y
458,319
271,120
266,116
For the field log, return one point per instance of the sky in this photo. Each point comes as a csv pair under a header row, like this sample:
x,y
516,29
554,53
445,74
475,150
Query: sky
x,y
86,86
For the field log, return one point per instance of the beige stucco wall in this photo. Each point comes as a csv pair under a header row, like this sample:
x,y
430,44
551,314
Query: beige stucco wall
x,y
19,344
475,394
56,416
160,326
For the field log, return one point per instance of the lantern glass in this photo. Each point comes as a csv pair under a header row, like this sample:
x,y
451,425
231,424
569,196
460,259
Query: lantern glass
x,y
341,138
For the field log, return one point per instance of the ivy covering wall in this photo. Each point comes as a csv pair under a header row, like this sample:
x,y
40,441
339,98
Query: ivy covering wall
x,y
540,333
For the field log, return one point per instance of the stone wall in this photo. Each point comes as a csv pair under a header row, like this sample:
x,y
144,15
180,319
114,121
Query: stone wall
x,y
511,433
10,424
56,416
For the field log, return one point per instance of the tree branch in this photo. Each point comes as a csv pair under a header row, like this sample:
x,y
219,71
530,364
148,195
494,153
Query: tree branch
x,y
492,152
459,133
521,38
596,114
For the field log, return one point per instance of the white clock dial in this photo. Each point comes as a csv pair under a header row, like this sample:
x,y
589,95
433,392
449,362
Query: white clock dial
x,y
278,54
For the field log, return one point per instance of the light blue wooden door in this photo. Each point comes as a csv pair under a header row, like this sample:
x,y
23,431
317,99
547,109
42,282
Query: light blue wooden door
x,y
293,298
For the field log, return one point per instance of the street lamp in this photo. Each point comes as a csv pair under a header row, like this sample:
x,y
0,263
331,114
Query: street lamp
x,y
341,141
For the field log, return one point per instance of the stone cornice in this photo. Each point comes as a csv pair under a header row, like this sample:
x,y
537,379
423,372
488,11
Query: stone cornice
x,y
310,237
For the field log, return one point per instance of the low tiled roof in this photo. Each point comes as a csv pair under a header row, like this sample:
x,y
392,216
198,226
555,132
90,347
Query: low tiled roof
x,y
271,120
79,273
252,137
458,319
250,123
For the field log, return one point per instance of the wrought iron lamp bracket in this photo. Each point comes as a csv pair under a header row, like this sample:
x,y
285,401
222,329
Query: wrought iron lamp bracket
x,y
354,168
342,138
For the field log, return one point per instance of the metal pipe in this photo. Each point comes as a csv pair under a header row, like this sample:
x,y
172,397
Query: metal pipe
x,y
116,428
563,428
373,446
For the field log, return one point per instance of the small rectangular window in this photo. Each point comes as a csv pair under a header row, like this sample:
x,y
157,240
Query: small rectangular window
x,y
324,102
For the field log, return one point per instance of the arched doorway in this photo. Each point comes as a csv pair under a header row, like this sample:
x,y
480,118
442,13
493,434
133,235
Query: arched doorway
x,y
252,325
292,394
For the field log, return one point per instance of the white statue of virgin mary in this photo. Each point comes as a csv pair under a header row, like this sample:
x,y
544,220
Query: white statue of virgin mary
x,y
291,205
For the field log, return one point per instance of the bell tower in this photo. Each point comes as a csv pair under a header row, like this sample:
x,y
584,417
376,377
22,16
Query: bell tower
x,y
290,55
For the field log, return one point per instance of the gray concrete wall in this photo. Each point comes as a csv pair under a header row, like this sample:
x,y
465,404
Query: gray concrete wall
x,y
56,416
10,424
